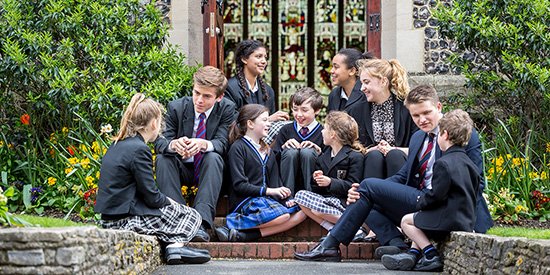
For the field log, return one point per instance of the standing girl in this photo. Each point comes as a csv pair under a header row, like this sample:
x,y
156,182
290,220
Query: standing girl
x,y
340,165
258,195
247,86
128,197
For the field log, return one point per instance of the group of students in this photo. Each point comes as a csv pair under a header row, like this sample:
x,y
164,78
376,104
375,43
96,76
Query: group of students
x,y
283,171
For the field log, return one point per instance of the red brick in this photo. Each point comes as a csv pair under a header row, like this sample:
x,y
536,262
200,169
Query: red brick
x,y
275,250
367,250
225,250
300,247
250,251
354,251
237,250
263,251
344,250
288,250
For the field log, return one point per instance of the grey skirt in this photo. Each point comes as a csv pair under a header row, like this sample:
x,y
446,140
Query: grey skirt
x,y
318,203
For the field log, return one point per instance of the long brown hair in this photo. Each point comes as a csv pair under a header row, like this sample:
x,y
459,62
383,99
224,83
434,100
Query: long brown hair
x,y
239,126
392,70
244,49
138,115
346,129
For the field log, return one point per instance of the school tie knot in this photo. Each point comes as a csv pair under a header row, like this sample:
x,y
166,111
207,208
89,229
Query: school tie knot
x,y
304,131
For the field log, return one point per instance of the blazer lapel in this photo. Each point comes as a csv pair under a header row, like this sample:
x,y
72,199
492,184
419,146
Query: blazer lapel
x,y
188,118
324,160
356,94
396,115
368,122
213,121
343,154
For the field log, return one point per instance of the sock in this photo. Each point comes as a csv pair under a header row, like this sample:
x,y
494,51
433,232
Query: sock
x,y
175,245
249,235
415,252
330,242
430,252
327,225
398,242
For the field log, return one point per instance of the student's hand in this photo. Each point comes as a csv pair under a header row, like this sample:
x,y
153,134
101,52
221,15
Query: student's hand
x,y
196,145
290,203
353,195
281,192
179,146
278,116
291,143
317,173
309,144
323,181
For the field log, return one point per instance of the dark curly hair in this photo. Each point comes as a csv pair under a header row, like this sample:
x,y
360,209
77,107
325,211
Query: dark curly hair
x,y
243,51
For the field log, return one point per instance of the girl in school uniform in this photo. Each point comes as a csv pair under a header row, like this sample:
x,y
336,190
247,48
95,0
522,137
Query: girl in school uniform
x,y
128,197
258,197
340,165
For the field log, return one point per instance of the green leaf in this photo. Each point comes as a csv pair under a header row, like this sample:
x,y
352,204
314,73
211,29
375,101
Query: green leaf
x,y
27,195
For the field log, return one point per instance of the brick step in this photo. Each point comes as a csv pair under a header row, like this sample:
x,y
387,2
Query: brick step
x,y
308,230
280,250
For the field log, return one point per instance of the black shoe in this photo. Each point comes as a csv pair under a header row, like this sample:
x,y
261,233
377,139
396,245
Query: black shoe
x,y
320,254
433,264
185,255
359,237
198,250
401,261
225,234
388,250
201,236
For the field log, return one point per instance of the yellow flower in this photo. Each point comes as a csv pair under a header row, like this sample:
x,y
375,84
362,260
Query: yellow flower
x,y
52,138
543,175
518,161
548,147
90,181
97,175
51,181
194,190
184,190
520,208
73,161
95,156
10,145
85,163
533,175
96,147
65,130
1,143
80,193
68,170
498,161
84,148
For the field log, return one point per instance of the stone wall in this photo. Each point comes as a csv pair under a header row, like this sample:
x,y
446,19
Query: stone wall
x,y
469,253
76,250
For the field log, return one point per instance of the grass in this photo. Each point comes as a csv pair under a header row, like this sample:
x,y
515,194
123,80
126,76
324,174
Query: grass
x,y
530,233
49,222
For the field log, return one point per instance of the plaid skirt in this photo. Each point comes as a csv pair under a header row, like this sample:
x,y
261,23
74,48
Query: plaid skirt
x,y
316,202
256,211
177,224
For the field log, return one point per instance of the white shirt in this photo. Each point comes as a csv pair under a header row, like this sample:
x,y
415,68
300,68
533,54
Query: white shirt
x,y
210,146
257,146
310,127
255,86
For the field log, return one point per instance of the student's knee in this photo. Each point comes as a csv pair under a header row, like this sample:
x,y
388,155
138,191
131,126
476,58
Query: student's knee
x,y
212,159
374,156
407,220
308,154
396,156
165,161
290,153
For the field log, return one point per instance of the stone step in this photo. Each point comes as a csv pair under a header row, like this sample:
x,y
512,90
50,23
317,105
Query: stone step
x,y
280,250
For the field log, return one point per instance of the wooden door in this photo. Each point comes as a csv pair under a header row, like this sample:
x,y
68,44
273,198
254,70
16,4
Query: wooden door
x,y
374,26
212,11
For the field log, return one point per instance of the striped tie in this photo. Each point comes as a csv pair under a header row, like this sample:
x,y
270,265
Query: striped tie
x,y
304,131
424,159
201,133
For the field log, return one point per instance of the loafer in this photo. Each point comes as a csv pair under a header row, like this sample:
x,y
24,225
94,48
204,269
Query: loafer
x,y
401,261
359,237
185,255
388,250
225,234
201,236
320,254
199,250
433,264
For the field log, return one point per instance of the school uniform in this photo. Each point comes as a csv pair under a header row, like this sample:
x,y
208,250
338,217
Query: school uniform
x,y
297,165
343,169
337,100
455,185
236,93
128,198
252,173
172,171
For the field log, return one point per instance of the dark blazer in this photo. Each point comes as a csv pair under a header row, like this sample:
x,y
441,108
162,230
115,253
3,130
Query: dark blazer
x,y
290,131
180,120
403,125
450,204
343,170
245,169
356,98
236,93
126,184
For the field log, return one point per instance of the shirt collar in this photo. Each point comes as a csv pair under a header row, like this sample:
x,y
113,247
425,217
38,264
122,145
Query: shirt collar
x,y
343,94
311,126
207,113
255,86
256,145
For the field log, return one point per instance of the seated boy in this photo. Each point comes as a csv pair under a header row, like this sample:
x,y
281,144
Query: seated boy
x,y
448,206
299,143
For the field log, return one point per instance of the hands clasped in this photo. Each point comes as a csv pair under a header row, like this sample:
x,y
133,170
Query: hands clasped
x,y
187,147
353,194
293,143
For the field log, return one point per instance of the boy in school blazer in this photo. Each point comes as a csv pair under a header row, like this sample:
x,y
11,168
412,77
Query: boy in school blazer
x,y
299,143
182,143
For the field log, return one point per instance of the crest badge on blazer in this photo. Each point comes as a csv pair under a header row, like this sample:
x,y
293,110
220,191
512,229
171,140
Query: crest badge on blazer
x,y
341,174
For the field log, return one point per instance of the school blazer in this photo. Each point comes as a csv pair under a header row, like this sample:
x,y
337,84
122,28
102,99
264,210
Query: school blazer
x,y
450,204
344,169
180,120
236,93
126,185
245,170
356,99
403,125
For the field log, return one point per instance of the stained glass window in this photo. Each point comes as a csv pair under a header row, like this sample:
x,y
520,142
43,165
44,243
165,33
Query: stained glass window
x,y
233,24
260,27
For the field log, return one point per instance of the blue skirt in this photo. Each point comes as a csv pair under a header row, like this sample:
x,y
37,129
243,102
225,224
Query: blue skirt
x,y
253,212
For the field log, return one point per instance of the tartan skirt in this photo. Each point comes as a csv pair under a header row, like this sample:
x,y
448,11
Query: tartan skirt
x,y
318,203
177,224
253,212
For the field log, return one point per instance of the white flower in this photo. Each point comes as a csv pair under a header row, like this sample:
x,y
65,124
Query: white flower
x,y
105,129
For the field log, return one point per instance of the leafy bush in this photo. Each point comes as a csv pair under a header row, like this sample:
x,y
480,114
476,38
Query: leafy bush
x,y
504,52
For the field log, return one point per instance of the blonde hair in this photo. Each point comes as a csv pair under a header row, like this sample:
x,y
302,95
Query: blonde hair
x,y
346,129
138,115
459,126
392,70
209,76
239,127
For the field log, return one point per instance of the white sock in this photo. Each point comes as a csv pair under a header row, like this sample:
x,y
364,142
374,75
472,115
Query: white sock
x,y
175,245
327,225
